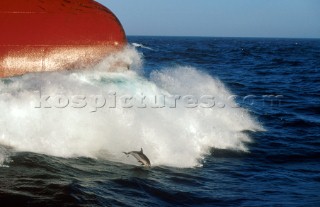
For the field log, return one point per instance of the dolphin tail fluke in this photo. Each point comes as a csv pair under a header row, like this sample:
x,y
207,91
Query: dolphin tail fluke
x,y
126,153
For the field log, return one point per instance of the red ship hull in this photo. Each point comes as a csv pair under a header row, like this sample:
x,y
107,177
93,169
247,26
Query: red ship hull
x,y
51,35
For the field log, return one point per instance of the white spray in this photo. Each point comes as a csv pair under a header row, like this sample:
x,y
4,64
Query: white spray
x,y
172,136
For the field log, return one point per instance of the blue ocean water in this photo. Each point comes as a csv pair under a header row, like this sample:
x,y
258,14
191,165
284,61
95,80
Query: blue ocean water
x,y
263,152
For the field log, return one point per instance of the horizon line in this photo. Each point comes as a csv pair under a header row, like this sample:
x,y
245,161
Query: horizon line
x,y
205,36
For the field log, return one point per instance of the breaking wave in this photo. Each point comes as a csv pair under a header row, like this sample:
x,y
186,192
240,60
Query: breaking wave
x,y
111,117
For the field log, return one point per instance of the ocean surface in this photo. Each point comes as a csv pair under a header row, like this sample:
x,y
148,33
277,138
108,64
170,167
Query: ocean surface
x,y
224,122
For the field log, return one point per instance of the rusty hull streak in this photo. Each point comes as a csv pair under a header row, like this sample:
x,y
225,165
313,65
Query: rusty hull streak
x,y
41,59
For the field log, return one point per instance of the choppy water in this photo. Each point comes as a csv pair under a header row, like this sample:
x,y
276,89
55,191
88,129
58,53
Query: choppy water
x,y
258,145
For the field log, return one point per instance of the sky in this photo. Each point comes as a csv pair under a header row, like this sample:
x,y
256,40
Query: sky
x,y
219,18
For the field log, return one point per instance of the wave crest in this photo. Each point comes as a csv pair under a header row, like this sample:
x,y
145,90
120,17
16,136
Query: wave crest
x,y
178,137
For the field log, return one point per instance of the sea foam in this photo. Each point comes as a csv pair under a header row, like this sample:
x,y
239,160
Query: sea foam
x,y
178,136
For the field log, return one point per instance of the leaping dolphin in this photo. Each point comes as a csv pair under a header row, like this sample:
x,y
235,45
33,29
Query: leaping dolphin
x,y
142,158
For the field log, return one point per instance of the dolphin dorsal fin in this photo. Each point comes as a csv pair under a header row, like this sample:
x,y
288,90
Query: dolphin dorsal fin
x,y
141,151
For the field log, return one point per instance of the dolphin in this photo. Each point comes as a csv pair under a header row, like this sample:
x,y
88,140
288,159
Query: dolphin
x,y
142,158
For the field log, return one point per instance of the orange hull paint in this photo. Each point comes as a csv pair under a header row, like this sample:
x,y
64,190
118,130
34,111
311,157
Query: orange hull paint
x,y
51,35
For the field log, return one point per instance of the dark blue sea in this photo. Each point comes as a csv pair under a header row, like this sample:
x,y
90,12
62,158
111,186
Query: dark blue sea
x,y
254,141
